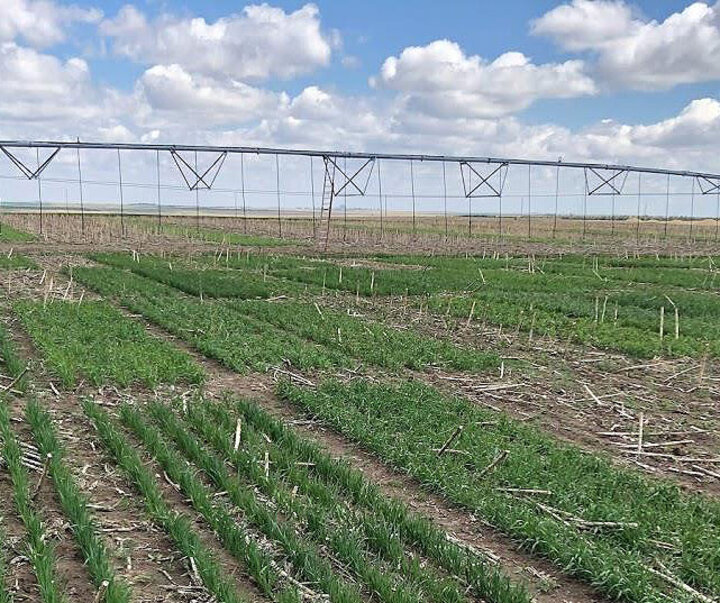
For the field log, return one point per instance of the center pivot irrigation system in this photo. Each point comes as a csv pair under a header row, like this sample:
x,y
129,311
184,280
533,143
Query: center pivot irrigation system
x,y
349,174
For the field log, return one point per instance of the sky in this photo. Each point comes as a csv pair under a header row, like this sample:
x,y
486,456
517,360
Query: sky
x,y
597,80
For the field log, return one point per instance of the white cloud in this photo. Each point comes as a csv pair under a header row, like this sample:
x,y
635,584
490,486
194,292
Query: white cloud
x,y
174,94
635,52
40,22
37,86
440,79
261,42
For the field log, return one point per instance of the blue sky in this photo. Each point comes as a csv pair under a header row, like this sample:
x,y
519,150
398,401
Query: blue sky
x,y
605,80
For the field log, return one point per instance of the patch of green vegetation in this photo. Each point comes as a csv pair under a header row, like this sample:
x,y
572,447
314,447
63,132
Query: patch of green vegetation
x,y
75,507
331,497
4,590
213,328
368,341
96,341
15,260
38,548
604,524
8,234
10,361
201,282
177,526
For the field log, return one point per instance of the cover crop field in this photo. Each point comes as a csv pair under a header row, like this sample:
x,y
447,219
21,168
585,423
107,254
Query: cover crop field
x,y
238,418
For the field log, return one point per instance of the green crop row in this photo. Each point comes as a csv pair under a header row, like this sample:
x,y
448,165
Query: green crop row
x,y
334,493
203,282
95,341
604,524
256,335
16,261
39,549
369,341
177,526
4,591
215,329
10,361
74,505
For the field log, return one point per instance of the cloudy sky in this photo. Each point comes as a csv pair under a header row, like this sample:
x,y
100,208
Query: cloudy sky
x,y
604,80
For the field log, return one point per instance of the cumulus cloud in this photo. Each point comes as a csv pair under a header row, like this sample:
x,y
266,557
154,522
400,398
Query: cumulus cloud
x,y
175,94
261,42
440,79
37,86
41,22
636,52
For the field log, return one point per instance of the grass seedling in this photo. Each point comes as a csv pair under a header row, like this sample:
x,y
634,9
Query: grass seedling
x,y
74,505
39,550
177,526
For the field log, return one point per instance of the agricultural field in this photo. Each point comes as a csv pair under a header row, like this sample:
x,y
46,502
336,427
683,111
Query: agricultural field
x,y
223,415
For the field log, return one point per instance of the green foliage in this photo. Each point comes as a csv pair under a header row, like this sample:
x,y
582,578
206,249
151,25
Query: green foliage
x,y
16,261
330,492
4,592
8,234
405,425
74,505
204,282
229,531
177,526
10,361
39,549
95,341
215,329
304,557
369,341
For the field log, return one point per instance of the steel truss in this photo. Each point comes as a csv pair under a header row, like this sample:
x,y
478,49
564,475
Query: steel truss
x,y
484,186
606,181
708,186
481,177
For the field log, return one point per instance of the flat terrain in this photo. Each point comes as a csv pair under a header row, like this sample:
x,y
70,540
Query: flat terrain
x,y
217,414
